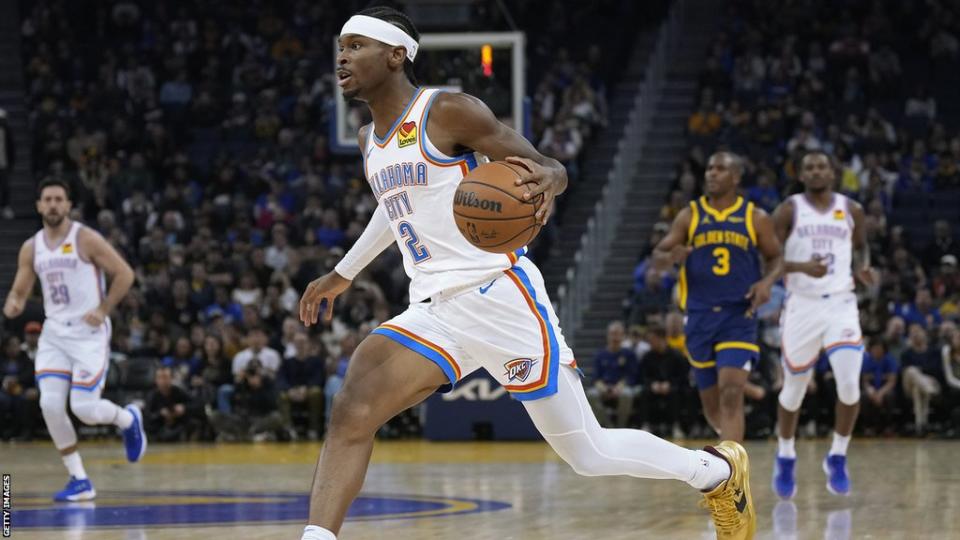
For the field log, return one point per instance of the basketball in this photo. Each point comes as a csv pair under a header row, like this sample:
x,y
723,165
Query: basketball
x,y
490,210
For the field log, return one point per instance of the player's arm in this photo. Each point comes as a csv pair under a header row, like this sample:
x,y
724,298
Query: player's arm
x,y
769,246
376,237
673,248
99,252
861,248
466,123
22,282
782,224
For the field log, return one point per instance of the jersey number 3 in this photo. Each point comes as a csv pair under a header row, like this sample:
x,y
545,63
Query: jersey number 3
x,y
418,251
722,267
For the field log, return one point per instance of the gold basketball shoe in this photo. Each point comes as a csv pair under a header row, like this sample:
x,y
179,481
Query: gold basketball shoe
x,y
730,503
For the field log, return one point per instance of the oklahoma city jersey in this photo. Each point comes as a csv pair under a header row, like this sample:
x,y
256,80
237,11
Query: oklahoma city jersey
x,y
71,285
414,184
825,236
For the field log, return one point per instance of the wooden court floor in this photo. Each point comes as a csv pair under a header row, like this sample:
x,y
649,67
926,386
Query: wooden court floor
x,y
421,490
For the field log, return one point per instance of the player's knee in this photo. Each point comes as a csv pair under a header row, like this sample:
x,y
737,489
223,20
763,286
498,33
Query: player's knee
x,y
52,403
731,396
350,416
848,392
791,395
84,411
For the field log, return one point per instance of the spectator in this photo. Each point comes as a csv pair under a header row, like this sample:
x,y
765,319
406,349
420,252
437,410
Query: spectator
x,y
213,385
922,372
664,373
19,397
31,339
921,311
676,338
170,414
941,245
337,370
951,370
255,413
894,336
8,155
765,194
879,382
616,379
705,122
183,363
301,380
650,301
269,359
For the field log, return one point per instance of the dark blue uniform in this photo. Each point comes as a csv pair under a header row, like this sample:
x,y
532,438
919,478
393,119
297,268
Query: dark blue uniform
x,y
716,276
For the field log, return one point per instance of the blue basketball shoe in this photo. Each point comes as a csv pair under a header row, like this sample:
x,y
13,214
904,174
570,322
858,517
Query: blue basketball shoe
x,y
784,482
134,437
838,480
76,490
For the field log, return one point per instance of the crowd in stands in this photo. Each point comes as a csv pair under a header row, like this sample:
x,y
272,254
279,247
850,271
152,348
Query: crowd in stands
x,y
874,85
194,137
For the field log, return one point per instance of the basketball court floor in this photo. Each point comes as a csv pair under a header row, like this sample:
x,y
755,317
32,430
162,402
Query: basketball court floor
x,y
422,490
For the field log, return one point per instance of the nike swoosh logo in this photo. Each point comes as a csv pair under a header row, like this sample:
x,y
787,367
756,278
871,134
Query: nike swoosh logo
x,y
742,503
483,290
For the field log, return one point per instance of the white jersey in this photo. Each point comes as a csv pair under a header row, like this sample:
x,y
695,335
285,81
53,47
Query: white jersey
x,y
414,184
72,285
826,236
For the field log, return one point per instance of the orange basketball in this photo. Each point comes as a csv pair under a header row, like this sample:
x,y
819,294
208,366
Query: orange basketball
x,y
490,210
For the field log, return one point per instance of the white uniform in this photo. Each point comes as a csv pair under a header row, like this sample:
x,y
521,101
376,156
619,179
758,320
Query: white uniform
x,y
69,348
485,309
820,313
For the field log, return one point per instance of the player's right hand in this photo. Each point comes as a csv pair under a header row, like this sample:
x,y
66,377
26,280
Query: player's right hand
x,y
320,293
12,308
679,253
815,268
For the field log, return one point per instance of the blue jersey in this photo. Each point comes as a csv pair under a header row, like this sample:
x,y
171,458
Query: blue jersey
x,y
724,263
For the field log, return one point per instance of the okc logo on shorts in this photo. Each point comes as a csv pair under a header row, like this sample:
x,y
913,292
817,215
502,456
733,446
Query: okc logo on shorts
x,y
519,369
407,134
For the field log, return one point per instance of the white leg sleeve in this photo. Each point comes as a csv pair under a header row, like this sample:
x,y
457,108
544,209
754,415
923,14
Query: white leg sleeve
x,y
846,364
567,423
53,404
92,410
794,388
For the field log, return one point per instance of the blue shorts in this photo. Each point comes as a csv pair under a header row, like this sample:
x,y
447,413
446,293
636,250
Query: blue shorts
x,y
721,337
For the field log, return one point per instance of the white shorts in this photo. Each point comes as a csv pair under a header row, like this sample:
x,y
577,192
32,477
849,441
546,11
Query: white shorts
x,y
506,326
810,325
77,352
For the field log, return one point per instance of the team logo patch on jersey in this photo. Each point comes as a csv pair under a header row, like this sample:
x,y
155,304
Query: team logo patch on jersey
x,y
519,369
839,215
407,134
706,220
67,248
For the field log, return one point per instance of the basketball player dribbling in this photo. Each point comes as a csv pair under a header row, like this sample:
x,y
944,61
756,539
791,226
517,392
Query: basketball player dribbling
x,y
74,350
469,308
718,241
826,244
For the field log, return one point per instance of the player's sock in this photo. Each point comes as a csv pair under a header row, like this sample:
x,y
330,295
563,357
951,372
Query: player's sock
x,y
839,446
785,448
312,532
123,418
709,471
75,465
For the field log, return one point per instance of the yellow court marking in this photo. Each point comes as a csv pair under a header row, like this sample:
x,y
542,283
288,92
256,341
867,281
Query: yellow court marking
x,y
306,453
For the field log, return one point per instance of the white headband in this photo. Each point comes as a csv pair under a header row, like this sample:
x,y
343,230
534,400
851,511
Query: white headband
x,y
381,31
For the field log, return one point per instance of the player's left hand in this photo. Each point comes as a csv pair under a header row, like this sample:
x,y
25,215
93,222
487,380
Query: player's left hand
x,y
95,317
867,276
549,182
759,294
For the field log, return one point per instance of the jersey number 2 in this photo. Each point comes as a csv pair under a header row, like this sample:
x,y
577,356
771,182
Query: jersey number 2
x,y
722,267
417,251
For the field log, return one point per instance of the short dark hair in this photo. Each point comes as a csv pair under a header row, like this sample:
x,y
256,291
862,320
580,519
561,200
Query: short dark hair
x,y
401,21
53,182
657,330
